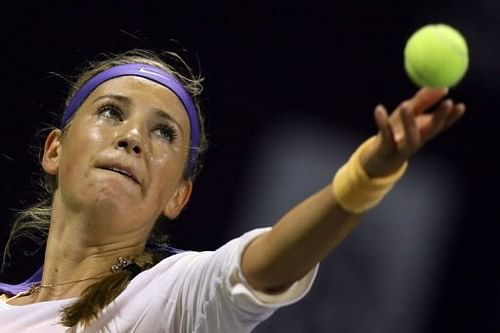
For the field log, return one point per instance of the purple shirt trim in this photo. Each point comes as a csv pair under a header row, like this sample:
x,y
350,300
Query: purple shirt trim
x,y
13,289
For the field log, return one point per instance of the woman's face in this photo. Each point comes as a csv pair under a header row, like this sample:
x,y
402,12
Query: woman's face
x,y
124,155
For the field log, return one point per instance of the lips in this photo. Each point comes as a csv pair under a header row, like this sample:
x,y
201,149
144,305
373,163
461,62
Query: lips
x,y
122,170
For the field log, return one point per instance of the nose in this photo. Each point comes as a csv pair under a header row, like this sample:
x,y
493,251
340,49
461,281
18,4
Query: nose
x,y
131,142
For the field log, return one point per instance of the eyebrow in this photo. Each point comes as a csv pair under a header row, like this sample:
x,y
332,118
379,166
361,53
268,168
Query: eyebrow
x,y
160,113
119,98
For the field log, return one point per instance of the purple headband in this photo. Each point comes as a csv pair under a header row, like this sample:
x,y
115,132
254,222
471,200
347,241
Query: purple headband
x,y
154,74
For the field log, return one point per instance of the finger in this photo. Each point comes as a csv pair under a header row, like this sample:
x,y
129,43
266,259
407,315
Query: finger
x,y
384,126
426,98
457,112
412,133
438,119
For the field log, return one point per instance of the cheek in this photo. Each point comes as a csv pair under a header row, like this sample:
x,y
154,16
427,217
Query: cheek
x,y
79,151
94,136
168,171
168,158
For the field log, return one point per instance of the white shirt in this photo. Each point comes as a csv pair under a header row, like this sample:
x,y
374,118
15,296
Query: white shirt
x,y
196,292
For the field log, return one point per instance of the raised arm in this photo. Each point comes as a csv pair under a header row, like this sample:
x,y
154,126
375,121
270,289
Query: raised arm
x,y
312,229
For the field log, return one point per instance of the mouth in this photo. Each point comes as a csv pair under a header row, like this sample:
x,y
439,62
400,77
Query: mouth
x,y
122,171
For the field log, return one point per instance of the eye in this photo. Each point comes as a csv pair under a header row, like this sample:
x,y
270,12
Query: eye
x,y
110,111
166,132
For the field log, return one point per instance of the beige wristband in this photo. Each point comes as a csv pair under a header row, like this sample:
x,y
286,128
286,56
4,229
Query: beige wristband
x,y
355,190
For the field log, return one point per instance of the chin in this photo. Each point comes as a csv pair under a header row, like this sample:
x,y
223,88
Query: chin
x,y
114,196
110,196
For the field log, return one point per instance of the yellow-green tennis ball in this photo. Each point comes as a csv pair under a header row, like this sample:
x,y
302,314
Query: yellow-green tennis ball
x,y
436,55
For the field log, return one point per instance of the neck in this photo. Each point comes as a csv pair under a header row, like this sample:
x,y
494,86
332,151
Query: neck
x,y
74,251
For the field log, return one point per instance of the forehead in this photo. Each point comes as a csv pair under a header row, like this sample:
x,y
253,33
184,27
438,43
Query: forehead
x,y
143,94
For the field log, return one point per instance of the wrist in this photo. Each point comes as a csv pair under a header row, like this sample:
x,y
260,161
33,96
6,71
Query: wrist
x,y
375,162
355,190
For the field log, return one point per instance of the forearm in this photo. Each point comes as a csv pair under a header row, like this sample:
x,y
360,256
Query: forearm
x,y
302,238
311,230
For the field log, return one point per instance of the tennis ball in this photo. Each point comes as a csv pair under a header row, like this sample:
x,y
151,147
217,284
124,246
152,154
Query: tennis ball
x,y
436,55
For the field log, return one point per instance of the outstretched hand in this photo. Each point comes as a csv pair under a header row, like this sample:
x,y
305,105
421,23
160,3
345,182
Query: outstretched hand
x,y
408,128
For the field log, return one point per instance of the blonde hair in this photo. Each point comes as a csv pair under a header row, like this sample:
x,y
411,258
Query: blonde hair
x,y
34,222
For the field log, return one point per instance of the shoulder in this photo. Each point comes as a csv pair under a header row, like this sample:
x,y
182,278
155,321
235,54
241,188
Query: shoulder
x,y
188,265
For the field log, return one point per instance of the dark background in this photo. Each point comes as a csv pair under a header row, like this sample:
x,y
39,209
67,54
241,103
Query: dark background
x,y
330,60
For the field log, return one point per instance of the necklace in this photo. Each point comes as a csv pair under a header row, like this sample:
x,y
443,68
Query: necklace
x,y
123,264
35,287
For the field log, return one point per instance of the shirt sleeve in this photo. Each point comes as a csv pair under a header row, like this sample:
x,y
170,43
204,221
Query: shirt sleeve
x,y
244,295
212,295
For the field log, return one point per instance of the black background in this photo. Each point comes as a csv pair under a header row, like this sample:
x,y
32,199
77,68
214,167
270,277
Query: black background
x,y
332,60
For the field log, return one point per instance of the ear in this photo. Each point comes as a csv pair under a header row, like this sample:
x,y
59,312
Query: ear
x,y
51,152
179,199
